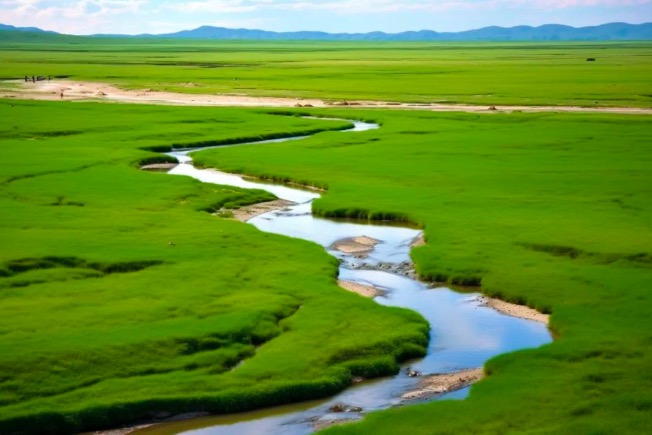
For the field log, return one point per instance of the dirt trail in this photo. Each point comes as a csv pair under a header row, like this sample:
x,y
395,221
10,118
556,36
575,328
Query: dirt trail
x,y
69,90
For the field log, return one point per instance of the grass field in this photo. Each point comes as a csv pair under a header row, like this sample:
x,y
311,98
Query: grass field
x,y
103,320
550,210
477,73
120,296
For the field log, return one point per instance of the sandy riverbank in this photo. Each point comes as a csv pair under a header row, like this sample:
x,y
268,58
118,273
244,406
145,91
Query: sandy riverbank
x,y
163,419
419,241
443,383
70,90
243,214
363,290
515,310
123,431
159,167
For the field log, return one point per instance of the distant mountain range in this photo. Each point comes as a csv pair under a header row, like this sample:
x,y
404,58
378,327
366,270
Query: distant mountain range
x,y
24,29
548,32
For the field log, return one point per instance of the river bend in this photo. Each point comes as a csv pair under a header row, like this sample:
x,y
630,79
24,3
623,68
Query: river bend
x,y
463,332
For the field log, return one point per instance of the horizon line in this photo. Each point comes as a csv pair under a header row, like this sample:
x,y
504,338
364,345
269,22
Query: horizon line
x,y
333,33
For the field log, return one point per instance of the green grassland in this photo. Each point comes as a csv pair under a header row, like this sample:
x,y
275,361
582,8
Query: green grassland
x,y
549,210
476,73
121,296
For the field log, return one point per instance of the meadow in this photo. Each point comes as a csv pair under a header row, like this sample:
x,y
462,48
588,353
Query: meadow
x,y
121,296
549,210
473,73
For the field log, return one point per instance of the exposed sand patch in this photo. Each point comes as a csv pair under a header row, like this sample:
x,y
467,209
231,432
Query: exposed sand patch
x,y
438,384
361,289
445,107
355,245
123,431
92,91
515,310
149,423
418,241
325,424
243,214
159,167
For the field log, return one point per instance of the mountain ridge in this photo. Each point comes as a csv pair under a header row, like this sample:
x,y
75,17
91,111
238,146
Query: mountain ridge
x,y
24,29
546,32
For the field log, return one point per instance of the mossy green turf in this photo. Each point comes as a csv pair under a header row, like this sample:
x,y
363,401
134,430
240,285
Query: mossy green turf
x,y
120,297
476,73
552,210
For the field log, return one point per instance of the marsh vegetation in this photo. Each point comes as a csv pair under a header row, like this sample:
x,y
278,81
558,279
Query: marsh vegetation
x,y
122,296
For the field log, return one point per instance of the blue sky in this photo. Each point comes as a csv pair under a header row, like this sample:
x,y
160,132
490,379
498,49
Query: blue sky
x,y
150,16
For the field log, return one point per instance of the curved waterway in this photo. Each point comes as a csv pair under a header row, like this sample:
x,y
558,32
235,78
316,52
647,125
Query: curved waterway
x,y
463,332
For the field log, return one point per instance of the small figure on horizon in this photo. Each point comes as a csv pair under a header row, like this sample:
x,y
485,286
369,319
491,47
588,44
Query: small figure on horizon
x,y
26,79
33,79
62,94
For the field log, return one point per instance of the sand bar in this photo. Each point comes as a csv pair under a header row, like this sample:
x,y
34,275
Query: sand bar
x,y
355,245
443,383
516,310
243,214
361,289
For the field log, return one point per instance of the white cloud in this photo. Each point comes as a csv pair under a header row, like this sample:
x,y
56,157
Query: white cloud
x,y
338,6
84,16
171,26
383,6
561,4
219,6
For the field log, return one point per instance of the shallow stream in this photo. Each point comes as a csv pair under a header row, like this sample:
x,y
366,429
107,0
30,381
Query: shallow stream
x,y
463,332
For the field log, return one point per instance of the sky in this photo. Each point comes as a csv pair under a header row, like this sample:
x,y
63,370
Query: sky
x,y
82,17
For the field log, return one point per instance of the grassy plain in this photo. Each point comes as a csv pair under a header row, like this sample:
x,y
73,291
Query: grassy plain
x,y
120,296
476,73
550,210
102,320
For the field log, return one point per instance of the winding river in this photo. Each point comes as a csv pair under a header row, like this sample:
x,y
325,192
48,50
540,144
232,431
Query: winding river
x,y
464,333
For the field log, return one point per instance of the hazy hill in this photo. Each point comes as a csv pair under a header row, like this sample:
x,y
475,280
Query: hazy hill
x,y
548,32
24,29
